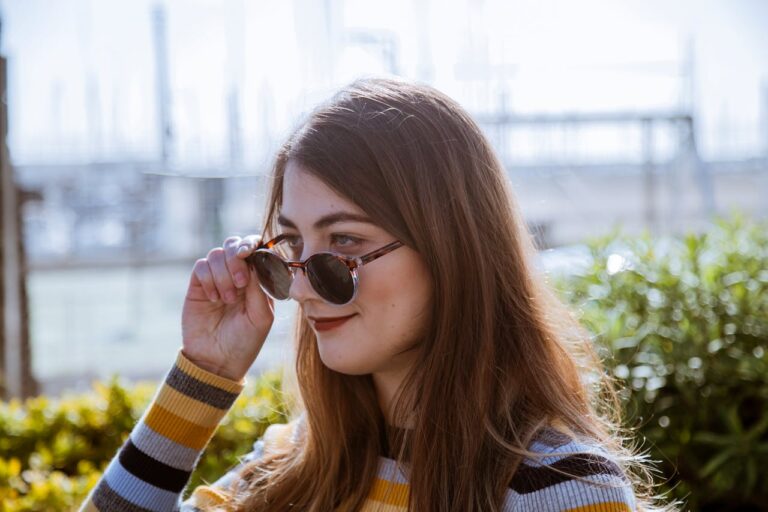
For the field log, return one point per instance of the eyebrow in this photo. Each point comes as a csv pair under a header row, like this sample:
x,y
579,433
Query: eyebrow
x,y
327,220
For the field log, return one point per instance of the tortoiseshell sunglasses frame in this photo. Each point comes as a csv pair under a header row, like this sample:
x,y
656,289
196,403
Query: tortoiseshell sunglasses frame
x,y
352,264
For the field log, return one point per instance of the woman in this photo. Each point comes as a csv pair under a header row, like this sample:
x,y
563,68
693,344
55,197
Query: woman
x,y
435,370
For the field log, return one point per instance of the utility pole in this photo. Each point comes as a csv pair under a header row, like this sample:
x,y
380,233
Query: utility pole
x,y
163,87
17,380
649,174
765,119
765,135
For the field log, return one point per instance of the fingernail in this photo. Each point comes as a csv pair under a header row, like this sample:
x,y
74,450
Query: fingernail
x,y
243,249
214,297
240,279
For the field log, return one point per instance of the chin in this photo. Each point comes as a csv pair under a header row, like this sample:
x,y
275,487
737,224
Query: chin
x,y
344,362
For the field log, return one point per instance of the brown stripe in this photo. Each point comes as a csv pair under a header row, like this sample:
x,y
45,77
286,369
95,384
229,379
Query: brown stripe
x,y
107,500
199,390
529,479
207,377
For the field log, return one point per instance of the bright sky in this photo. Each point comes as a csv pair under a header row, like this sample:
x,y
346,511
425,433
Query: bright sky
x,y
82,72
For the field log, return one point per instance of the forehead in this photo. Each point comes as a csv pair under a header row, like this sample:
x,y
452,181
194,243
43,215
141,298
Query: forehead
x,y
306,197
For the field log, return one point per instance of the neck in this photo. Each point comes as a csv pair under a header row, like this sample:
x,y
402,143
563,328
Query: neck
x,y
387,383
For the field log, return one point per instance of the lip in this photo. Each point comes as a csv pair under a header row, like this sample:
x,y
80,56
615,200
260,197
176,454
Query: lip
x,y
324,324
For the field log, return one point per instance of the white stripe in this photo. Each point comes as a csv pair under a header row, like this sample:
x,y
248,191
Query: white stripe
x,y
163,449
137,491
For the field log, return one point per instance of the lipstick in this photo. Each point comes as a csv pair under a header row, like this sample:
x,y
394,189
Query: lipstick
x,y
326,325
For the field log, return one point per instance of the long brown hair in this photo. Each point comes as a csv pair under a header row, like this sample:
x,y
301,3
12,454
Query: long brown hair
x,y
501,357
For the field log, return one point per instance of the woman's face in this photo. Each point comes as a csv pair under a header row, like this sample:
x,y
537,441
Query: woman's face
x,y
394,292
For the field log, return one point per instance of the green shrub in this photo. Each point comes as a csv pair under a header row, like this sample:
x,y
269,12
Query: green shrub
x,y
684,325
53,452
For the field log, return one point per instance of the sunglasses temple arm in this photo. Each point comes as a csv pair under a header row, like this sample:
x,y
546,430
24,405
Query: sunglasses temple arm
x,y
271,243
379,252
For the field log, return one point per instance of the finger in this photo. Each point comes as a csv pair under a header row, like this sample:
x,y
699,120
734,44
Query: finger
x,y
202,273
237,267
221,276
247,245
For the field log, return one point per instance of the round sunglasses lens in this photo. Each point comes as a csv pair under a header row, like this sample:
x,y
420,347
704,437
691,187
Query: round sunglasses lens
x,y
331,278
274,275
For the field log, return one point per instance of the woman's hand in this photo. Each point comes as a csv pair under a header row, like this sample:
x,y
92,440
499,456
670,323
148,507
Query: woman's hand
x,y
226,315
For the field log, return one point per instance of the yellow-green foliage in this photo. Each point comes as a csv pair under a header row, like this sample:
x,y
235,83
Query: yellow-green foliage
x,y
52,452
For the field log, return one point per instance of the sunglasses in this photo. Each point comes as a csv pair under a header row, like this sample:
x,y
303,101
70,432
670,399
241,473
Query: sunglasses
x,y
332,276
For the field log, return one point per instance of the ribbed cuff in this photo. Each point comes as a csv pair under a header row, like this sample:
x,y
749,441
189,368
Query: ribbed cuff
x,y
200,374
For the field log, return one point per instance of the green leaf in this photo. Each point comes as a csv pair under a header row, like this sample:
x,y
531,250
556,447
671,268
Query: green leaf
x,y
716,461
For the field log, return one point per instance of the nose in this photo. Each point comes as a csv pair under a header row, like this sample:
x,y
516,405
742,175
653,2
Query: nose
x,y
300,289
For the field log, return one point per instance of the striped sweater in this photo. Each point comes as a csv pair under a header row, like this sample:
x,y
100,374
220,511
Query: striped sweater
x,y
152,468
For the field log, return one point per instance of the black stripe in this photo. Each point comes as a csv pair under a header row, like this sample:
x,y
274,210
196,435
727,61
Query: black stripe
x,y
152,471
529,479
105,498
199,390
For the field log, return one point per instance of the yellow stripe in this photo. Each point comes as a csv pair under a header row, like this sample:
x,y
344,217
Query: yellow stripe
x,y
608,506
391,493
205,496
218,381
188,408
177,428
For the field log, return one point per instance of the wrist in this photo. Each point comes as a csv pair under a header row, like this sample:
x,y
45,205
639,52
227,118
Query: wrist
x,y
215,369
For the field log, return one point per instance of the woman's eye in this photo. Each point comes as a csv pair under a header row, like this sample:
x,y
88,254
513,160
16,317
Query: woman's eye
x,y
291,245
292,241
345,241
294,245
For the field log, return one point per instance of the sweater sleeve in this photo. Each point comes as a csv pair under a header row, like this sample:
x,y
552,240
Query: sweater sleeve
x,y
153,466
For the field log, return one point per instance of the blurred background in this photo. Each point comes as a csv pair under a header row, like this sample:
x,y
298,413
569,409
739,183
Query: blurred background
x,y
139,135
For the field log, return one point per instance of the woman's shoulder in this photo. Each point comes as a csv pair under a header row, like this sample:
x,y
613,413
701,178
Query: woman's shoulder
x,y
564,472
279,436
276,438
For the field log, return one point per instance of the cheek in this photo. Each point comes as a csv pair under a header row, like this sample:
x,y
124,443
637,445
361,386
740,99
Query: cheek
x,y
396,302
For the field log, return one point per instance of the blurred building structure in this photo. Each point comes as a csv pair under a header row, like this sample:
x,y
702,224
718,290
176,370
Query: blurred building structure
x,y
112,235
